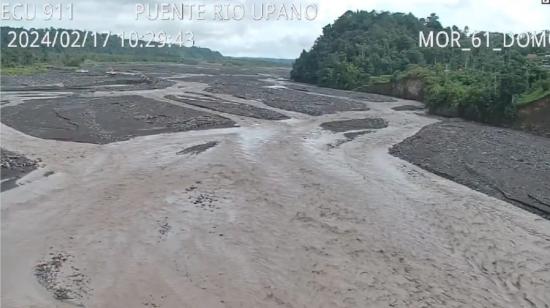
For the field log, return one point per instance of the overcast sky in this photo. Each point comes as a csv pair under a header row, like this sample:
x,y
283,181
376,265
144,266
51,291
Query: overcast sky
x,y
286,39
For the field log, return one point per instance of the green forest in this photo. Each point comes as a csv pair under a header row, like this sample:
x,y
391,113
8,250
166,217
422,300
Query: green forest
x,y
362,50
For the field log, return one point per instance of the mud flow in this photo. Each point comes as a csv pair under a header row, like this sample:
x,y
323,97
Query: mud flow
x,y
355,124
163,185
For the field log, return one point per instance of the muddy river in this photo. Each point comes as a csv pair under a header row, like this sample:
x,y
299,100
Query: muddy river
x,y
257,213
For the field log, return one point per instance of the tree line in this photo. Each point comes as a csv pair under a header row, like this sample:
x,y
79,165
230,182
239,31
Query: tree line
x,y
74,56
363,48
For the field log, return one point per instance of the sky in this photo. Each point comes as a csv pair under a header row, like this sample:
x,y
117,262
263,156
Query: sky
x,y
277,37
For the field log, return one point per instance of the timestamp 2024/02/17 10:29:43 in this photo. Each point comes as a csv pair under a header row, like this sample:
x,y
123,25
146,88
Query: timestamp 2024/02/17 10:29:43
x,y
87,39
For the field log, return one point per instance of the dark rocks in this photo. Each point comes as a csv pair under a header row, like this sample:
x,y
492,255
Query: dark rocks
x,y
197,149
59,276
213,103
408,108
504,163
105,119
252,88
99,78
163,228
14,166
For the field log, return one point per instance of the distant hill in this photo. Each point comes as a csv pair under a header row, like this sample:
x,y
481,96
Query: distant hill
x,y
379,50
361,44
113,50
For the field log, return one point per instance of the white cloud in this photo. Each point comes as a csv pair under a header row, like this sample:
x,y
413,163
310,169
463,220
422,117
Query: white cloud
x,y
287,38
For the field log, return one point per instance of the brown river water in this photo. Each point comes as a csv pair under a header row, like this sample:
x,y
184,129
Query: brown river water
x,y
271,215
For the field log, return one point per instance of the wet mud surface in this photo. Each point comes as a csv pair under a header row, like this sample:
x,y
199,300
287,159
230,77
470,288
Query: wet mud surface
x,y
355,124
504,163
105,119
240,109
263,214
92,79
351,136
163,70
14,166
348,137
278,96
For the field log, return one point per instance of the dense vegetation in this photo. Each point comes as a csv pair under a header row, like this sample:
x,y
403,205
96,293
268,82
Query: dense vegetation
x,y
365,48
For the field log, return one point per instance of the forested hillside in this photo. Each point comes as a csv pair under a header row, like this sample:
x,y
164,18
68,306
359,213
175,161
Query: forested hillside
x,y
362,49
